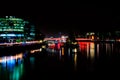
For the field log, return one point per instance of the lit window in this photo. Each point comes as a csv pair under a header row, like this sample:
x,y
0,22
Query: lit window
x,y
32,33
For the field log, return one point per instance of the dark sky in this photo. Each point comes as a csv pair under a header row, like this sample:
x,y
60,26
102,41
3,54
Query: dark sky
x,y
86,17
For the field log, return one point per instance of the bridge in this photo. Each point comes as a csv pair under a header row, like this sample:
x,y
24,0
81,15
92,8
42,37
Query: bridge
x,y
59,39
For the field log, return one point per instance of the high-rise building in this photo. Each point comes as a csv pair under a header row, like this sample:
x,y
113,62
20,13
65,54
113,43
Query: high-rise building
x,y
15,29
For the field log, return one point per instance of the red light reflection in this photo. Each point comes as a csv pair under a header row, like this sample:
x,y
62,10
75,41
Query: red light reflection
x,y
83,46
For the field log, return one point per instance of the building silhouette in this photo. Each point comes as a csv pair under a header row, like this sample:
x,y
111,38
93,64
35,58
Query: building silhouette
x,y
14,29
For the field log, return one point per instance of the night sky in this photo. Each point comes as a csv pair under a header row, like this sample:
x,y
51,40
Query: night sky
x,y
83,17
76,19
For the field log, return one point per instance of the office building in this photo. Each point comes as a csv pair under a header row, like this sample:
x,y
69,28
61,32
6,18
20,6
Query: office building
x,y
14,29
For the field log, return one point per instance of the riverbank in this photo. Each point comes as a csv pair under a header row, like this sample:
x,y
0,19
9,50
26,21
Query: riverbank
x,y
10,50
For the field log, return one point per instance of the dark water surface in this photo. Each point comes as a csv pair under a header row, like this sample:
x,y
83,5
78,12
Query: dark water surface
x,y
90,58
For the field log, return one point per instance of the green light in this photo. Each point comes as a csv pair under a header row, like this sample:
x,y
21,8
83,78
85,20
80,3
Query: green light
x,y
17,72
18,40
17,26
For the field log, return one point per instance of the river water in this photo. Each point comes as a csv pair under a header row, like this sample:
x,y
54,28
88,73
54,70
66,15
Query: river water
x,y
89,58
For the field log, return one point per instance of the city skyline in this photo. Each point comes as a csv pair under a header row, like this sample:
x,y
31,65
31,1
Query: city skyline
x,y
77,19
53,39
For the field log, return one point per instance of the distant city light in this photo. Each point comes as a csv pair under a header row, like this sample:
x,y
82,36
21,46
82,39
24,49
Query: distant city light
x,y
16,28
9,58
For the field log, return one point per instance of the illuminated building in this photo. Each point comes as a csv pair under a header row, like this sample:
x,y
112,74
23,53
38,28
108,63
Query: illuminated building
x,y
90,35
15,29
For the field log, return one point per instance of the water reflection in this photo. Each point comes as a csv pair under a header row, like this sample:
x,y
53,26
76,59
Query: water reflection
x,y
60,55
17,72
90,57
62,51
89,53
36,50
51,50
109,48
83,46
87,49
11,67
88,46
92,50
98,50
69,52
7,59
75,61
32,62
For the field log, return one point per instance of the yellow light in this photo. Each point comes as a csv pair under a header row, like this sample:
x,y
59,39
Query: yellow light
x,y
75,60
92,45
5,59
36,50
92,50
32,51
75,50
74,43
40,41
40,49
62,51
19,55
43,46
92,37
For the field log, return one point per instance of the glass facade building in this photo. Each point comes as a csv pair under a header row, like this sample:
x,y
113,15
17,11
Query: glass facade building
x,y
15,29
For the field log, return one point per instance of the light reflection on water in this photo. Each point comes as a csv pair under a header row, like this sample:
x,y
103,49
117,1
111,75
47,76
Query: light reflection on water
x,y
98,50
13,67
87,49
60,55
17,72
75,61
32,62
90,50
109,48
36,50
62,51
